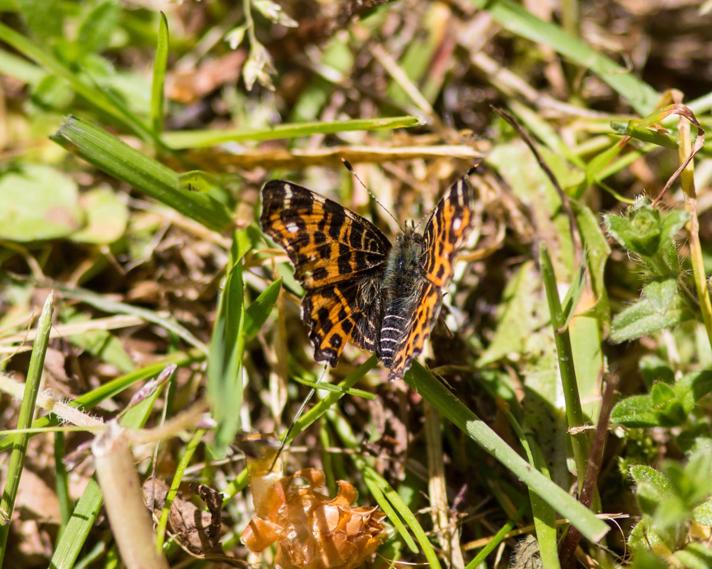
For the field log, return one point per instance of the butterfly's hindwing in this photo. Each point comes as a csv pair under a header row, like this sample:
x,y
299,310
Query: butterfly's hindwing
x,y
447,230
337,313
415,331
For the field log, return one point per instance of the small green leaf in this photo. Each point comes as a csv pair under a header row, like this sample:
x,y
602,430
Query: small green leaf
x,y
662,395
639,231
106,215
702,514
661,306
97,25
635,411
38,202
651,234
652,487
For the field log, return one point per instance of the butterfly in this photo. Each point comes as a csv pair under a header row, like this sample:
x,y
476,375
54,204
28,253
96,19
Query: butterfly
x,y
360,287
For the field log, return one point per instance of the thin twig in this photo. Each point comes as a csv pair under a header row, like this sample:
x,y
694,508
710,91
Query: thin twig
x,y
565,202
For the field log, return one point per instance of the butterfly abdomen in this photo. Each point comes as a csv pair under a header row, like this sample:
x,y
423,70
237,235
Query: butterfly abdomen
x,y
401,285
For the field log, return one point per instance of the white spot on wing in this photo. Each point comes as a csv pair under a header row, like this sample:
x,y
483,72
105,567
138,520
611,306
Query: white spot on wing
x,y
292,227
457,223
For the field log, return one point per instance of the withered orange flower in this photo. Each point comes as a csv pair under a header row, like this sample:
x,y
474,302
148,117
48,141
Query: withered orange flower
x,y
311,530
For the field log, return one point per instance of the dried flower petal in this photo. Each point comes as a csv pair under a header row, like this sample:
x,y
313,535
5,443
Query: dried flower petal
x,y
311,530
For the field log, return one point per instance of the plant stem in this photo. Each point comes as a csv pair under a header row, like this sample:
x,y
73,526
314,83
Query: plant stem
x,y
27,410
564,353
130,521
687,181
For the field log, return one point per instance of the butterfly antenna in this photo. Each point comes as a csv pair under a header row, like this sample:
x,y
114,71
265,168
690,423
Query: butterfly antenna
x,y
297,415
350,168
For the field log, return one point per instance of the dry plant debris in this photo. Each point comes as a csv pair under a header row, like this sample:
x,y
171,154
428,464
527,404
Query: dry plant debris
x,y
310,529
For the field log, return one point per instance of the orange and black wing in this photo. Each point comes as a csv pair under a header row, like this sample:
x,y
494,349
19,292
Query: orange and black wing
x,y
446,231
398,351
444,234
338,257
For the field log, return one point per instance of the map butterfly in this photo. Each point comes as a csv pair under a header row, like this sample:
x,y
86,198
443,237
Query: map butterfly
x,y
360,287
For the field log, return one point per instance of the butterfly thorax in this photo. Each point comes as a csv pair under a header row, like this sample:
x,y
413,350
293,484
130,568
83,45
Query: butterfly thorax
x,y
404,269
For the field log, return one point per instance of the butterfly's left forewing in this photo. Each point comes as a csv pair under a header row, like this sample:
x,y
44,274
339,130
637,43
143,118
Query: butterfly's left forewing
x,y
444,234
326,242
338,257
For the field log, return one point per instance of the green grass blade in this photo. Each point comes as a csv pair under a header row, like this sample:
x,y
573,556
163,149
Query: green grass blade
x,y
27,410
159,76
260,309
405,513
89,505
110,389
77,530
451,408
203,138
19,68
497,538
61,483
308,418
374,487
564,352
119,160
516,19
226,347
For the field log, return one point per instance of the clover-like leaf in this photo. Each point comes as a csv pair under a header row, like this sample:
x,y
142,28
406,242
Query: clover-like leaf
x,y
661,306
